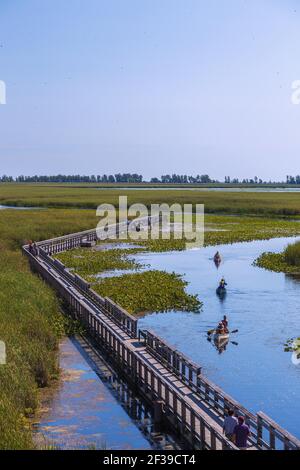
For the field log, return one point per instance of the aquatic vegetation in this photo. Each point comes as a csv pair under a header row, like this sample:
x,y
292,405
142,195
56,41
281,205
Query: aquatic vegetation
x,y
90,262
292,345
164,245
273,262
286,262
244,229
150,291
230,229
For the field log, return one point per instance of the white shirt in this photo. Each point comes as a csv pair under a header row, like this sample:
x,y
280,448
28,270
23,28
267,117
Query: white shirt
x,y
230,423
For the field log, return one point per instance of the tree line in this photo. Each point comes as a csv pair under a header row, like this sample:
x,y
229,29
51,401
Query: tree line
x,y
117,178
137,178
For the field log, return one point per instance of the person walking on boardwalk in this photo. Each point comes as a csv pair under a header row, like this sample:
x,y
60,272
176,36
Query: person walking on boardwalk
x,y
35,250
241,433
230,422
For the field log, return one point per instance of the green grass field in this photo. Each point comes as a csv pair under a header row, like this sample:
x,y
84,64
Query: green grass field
x,y
89,196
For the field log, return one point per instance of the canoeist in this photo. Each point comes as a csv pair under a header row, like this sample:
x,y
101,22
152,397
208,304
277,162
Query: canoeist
x,y
223,283
225,323
220,329
217,258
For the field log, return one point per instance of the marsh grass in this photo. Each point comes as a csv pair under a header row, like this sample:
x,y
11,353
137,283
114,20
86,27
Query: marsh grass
x,y
31,322
286,262
89,196
292,254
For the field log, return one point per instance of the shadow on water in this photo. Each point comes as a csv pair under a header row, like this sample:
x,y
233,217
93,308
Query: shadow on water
x,y
131,402
293,278
93,408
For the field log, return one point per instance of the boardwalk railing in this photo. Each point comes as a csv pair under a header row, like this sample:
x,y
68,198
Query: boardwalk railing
x,y
122,318
105,321
271,436
265,433
171,358
74,240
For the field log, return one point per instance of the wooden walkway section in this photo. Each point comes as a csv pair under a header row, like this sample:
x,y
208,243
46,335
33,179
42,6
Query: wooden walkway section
x,y
180,395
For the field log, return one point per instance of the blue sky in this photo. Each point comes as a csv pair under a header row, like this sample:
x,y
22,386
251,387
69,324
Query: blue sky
x,y
150,86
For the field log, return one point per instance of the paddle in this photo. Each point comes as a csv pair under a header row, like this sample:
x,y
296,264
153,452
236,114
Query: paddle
x,y
210,332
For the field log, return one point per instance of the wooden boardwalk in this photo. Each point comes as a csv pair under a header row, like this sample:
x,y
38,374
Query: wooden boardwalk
x,y
180,395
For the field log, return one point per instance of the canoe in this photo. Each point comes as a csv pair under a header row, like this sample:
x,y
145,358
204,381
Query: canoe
x,y
221,291
220,338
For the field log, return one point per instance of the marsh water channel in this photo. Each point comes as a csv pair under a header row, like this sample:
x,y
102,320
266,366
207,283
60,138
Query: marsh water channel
x,y
253,367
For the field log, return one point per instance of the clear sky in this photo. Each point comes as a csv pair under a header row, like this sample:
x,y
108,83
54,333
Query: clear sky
x,y
150,86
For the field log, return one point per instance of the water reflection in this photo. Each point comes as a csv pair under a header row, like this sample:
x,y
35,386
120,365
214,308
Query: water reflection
x,y
217,263
20,208
294,278
92,408
219,345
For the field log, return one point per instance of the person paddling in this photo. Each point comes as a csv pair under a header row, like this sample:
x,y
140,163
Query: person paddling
x,y
223,283
225,323
220,329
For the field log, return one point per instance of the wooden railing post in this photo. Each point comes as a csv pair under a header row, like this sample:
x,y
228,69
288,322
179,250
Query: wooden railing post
x,y
259,430
213,445
202,434
272,438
